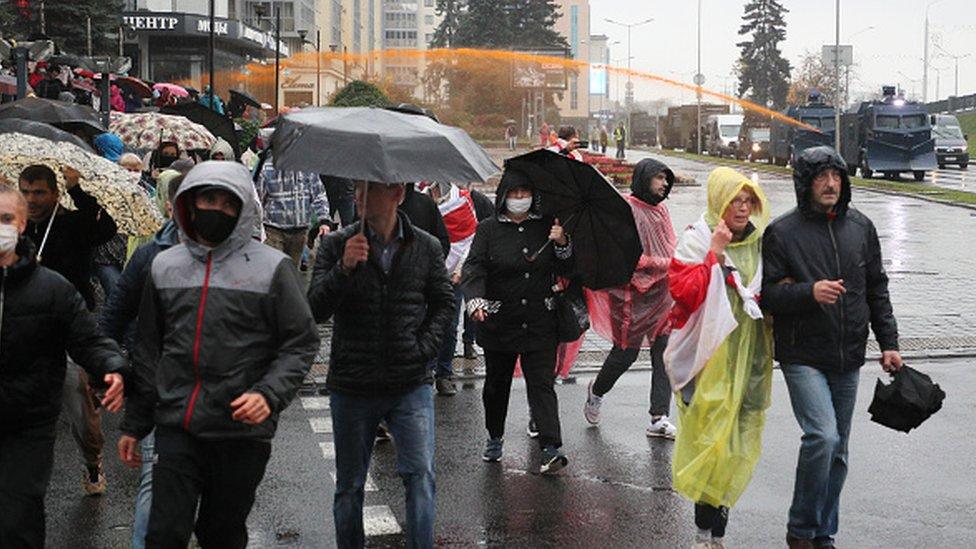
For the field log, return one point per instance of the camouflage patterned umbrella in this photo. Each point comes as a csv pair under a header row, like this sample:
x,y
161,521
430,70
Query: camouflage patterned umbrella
x,y
114,188
144,131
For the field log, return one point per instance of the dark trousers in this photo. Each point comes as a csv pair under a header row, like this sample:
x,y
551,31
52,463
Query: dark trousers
x,y
444,363
620,149
620,360
26,459
712,518
220,475
539,369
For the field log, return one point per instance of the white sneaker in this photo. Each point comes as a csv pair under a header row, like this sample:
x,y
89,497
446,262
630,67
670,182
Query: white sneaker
x,y
591,410
662,428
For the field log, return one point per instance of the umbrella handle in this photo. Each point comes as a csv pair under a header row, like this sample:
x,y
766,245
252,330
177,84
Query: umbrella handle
x,y
362,216
47,231
531,258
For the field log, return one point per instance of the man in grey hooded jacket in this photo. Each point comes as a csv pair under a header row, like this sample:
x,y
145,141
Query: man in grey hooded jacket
x,y
225,338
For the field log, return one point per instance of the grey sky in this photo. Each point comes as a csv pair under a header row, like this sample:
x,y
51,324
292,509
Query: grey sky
x,y
667,46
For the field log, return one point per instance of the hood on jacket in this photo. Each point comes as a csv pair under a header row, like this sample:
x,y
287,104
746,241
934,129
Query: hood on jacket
x,y
511,179
162,188
808,166
222,146
723,184
109,146
168,235
645,170
235,179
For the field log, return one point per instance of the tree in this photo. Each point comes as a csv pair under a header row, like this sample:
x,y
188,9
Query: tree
x,y
814,75
450,13
764,74
498,24
359,94
65,23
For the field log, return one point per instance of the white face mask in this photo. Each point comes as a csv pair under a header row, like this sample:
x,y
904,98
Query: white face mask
x,y
8,238
518,206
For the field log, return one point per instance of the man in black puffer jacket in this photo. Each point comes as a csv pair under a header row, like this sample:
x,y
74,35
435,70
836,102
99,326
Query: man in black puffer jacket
x,y
391,297
824,283
42,316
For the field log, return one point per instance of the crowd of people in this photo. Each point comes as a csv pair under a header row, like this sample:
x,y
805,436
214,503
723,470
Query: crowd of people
x,y
207,331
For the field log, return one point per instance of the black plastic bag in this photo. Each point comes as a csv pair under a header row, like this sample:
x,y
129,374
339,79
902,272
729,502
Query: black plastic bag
x,y
907,401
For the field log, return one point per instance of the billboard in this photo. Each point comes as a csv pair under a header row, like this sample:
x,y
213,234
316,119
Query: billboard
x,y
540,75
599,81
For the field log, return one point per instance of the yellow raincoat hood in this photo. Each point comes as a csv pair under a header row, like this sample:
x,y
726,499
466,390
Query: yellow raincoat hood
x,y
723,184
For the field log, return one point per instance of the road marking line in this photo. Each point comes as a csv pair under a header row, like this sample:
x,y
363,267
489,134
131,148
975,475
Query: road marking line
x,y
378,520
328,450
315,403
321,425
370,486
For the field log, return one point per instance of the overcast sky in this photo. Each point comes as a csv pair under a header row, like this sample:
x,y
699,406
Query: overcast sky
x,y
890,53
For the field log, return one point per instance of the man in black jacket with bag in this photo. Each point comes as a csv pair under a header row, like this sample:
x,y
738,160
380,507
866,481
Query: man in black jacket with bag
x,y
42,316
824,283
388,289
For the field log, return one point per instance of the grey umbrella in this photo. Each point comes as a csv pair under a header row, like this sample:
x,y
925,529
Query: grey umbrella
x,y
40,129
66,116
370,144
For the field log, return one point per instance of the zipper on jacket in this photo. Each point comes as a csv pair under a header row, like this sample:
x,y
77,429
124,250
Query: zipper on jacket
x,y
840,298
196,344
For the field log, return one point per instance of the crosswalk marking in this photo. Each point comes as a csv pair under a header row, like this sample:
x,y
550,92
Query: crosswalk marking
x,y
370,486
315,403
321,425
378,520
328,449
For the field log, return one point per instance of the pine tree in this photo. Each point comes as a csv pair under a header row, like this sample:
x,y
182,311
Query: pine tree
x,y
450,13
65,23
764,74
498,24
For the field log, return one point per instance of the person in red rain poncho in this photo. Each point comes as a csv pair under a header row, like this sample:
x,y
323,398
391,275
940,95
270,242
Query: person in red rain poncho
x,y
635,316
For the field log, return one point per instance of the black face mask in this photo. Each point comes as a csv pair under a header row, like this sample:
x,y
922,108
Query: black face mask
x,y
214,226
165,160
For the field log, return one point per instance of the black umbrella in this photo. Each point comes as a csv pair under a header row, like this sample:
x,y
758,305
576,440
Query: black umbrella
x,y
907,401
597,218
218,124
40,129
239,101
66,116
370,144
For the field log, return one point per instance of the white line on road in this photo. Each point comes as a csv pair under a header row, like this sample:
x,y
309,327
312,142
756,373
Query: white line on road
x,y
378,520
370,486
328,450
315,403
321,425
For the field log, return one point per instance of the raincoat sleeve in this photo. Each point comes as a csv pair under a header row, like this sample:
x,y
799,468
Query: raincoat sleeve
x,y
97,222
329,282
475,269
440,307
779,296
882,316
297,339
140,389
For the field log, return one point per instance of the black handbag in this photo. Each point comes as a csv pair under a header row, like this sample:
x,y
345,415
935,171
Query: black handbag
x,y
572,317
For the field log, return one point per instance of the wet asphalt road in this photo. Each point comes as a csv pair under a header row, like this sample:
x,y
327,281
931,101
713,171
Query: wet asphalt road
x,y
914,490
911,490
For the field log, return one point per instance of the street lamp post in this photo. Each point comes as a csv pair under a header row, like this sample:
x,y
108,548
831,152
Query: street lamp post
x,y
699,80
629,95
956,59
847,69
837,106
211,56
318,62
925,61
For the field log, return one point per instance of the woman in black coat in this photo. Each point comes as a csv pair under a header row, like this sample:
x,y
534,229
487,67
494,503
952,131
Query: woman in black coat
x,y
511,297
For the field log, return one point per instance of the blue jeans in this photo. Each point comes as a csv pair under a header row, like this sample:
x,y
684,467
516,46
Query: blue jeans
x,y
823,403
444,363
410,419
147,448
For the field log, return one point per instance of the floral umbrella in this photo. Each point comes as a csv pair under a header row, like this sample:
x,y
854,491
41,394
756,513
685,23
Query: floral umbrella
x,y
145,130
114,188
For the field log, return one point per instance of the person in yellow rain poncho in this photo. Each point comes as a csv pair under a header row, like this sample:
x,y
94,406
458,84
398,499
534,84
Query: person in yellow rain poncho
x,y
719,357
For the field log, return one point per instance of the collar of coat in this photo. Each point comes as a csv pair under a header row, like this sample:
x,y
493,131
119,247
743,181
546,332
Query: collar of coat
x,y
503,218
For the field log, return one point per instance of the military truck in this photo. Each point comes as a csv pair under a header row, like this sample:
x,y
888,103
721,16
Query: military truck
x,y
787,140
888,136
643,129
679,130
